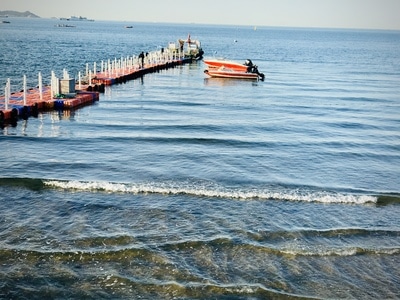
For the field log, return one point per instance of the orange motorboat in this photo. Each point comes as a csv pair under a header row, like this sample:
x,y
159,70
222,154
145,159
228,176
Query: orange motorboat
x,y
223,72
218,63
230,69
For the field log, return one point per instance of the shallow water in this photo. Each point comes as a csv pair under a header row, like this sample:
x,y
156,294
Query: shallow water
x,y
181,186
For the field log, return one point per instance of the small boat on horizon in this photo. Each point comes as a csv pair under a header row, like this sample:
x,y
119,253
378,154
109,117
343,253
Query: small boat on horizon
x,y
74,18
65,25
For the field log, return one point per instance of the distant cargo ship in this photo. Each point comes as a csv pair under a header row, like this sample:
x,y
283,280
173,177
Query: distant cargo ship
x,y
73,18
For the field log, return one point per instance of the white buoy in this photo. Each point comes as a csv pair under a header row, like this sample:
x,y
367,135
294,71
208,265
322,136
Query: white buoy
x,y
79,81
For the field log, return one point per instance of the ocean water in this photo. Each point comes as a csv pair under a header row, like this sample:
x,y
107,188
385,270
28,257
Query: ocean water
x,y
178,186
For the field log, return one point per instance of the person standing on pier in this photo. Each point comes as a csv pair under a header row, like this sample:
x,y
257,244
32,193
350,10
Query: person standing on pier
x,y
141,56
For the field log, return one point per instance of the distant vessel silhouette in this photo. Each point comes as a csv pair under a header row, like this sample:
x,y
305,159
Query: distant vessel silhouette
x,y
74,18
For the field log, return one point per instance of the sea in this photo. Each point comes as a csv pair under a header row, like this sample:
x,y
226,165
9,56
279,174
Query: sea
x,y
179,186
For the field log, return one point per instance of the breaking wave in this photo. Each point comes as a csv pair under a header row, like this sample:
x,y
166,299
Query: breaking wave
x,y
208,189
205,189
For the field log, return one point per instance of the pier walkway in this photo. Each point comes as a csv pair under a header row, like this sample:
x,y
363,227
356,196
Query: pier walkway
x,y
69,93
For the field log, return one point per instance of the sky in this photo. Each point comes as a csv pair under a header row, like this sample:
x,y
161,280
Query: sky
x,y
365,14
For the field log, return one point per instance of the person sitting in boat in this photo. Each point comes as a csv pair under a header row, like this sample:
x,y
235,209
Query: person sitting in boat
x,y
251,68
249,65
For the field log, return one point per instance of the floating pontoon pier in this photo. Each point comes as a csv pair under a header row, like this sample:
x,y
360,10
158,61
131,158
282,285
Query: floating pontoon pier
x,y
68,93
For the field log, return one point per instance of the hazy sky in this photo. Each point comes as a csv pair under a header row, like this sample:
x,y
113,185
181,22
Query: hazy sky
x,y
375,14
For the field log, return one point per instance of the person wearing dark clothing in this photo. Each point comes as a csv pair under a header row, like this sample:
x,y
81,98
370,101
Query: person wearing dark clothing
x,y
141,57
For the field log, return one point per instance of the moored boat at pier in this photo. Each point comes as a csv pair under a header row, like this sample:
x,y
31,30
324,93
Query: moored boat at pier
x,y
189,48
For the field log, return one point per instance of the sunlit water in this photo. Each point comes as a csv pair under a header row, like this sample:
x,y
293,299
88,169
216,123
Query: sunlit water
x,y
180,186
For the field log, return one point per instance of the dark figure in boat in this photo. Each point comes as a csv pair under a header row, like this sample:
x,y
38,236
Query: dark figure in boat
x,y
251,68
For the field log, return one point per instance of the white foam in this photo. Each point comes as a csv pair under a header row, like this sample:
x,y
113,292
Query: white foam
x,y
212,191
340,252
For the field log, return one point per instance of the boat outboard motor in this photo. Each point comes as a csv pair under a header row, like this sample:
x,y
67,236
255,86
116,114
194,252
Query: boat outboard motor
x,y
255,70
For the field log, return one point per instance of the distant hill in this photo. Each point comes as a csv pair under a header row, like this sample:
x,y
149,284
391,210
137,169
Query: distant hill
x,y
13,13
